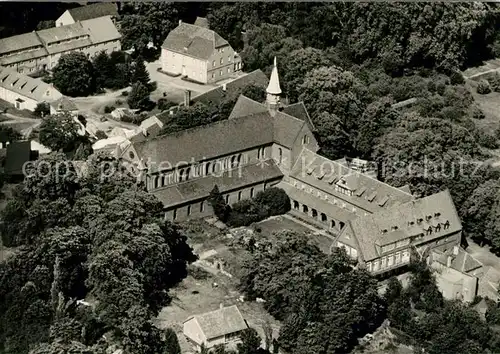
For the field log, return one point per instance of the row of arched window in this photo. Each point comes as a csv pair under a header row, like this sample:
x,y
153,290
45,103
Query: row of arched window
x,y
200,170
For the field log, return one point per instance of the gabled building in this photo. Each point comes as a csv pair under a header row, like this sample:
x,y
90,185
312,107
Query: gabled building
x,y
384,240
219,327
41,50
25,92
244,154
87,12
198,53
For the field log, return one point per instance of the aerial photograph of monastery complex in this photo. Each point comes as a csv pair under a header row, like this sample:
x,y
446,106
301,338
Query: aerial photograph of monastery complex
x,y
249,177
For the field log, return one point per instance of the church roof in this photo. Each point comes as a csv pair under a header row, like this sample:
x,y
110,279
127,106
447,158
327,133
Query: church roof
x,y
192,40
274,82
202,22
255,78
208,141
298,110
245,106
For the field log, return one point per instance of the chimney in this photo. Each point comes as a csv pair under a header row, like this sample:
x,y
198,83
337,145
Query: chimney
x,y
187,98
224,87
180,22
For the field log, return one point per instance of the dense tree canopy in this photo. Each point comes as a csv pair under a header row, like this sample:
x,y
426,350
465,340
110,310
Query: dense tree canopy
x,y
98,235
74,75
60,132
326,307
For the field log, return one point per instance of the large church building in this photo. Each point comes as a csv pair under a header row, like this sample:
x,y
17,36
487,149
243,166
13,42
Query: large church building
x,y
272,144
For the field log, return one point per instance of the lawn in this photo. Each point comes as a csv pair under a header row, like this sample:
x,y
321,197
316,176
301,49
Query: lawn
x,y
196,295
490,105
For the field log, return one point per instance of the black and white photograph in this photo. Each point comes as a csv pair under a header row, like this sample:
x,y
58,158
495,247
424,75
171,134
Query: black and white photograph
x,y
249,177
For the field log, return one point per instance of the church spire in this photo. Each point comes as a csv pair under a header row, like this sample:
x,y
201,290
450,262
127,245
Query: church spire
x,y
273,90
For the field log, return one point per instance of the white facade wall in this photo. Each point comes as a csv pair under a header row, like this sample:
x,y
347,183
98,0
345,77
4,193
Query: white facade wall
x,y
177,63
65,19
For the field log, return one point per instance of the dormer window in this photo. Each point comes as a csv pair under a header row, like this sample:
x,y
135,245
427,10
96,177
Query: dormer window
x,y
437,215
394,228
428,217
438,227
446,224
384,231
429,230
419,220
411,223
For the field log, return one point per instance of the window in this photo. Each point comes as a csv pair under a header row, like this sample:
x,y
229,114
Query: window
x,y
305,209
189,210
314,213
239,195
156,181
221,61
202,206
213,63
131,154
295,205
252,191
227,198
174,216
341,225
229,58
305,140
332,224
323,217
220,73
280,155
229,69
213,75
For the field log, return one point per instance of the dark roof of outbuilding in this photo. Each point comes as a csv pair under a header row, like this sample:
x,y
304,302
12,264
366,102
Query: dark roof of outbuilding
x,y
18,153
93,11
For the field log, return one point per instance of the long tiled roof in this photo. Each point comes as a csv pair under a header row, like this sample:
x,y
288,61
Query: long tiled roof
x,y
220,322
77,35
200,188
101,29
240,132
410,219
192,40
367,193
255,78
93,11
62,33
20,41
208,141
27,86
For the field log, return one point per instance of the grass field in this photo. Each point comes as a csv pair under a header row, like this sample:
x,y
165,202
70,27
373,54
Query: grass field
x,y
196,295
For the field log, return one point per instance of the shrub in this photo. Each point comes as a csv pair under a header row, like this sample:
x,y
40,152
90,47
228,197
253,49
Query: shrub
x,y
109,109
477,112
487,140
164,104
495,82
456,78
483,87
42,109
275,199
440,88
100,135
